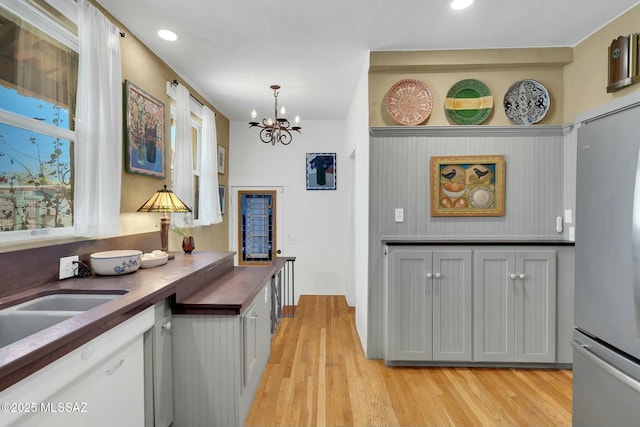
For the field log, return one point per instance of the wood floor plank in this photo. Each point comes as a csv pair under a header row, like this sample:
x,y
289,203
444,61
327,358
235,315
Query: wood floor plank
x,y
318,376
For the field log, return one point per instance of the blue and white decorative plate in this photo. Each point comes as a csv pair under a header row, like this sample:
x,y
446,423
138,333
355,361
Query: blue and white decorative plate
x,y
526,102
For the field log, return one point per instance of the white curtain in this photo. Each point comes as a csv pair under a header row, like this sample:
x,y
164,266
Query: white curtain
x,y
209,208
183,156
98,144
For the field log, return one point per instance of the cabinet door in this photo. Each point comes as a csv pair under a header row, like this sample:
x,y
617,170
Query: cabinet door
x,y
250,342
162,373
535,311
452,305
410,306
494,303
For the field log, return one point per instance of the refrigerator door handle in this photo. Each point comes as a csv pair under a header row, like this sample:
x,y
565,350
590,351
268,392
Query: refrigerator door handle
x,y
635,245
609,369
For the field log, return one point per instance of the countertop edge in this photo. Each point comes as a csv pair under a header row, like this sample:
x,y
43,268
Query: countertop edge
x,y
19,360
453,241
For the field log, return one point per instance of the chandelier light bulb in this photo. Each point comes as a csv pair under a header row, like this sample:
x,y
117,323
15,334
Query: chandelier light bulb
x,y
270,122
297,119
254,114
283,111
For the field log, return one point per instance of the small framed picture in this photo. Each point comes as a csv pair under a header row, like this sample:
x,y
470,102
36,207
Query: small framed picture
x,y
221,159
467,186
321,171
222,196
144,121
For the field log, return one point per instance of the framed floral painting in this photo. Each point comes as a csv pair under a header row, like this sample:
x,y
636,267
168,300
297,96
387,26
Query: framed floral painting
x,y
144,121
321,171
467,186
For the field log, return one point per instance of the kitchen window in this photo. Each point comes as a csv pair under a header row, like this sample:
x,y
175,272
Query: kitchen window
x,y
38,81
196,139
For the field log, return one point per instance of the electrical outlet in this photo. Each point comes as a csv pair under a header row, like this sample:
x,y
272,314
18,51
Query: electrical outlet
x,y
294,240
67,266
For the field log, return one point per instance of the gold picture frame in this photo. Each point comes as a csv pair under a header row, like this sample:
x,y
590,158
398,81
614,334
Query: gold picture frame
x,y
467,185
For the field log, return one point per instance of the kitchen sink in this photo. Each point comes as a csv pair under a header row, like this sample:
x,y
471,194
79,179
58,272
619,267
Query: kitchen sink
x,y
65,302
24,319
15,325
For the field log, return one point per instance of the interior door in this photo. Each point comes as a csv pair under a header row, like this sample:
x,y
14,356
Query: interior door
x,y
256,226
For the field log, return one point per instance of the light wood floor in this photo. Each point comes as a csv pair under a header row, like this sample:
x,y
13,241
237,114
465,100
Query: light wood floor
x,y
318,376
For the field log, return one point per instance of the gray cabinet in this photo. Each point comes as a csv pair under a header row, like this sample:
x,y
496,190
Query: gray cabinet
x,y
429,305
218,363
158,369
514,306
256,342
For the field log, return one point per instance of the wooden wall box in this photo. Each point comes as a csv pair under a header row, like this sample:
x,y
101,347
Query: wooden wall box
x,y
623,62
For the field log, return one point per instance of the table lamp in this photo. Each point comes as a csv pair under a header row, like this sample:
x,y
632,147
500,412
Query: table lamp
x,y
164,201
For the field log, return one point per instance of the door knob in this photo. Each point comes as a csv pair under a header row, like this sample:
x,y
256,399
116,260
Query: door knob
x,y
522,276
167,326
429,276
438,275
513,276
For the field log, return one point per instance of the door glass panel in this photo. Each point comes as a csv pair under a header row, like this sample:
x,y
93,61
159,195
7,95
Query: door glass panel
x,y
257,226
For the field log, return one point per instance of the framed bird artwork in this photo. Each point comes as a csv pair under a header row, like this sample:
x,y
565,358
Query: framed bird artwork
x,y
467,185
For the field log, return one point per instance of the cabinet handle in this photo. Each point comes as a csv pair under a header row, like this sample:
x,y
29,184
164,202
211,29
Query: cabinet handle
x,y
167,326
253,315
112,371
429,276
438,275
513,276
522,276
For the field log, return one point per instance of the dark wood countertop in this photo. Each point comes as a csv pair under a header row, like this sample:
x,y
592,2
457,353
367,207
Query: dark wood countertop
x,y
207,276
230,293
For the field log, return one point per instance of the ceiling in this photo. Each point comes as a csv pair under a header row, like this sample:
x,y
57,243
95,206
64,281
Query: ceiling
x,y
231,51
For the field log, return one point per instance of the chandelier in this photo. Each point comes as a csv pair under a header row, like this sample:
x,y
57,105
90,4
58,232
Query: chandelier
x,y
278,130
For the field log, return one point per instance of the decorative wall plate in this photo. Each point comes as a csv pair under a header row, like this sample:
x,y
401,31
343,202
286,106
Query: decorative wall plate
x,y
409,102
469,102
526,102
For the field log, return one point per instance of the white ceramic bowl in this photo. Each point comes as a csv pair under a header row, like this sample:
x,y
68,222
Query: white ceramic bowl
x,y
113,263
154,259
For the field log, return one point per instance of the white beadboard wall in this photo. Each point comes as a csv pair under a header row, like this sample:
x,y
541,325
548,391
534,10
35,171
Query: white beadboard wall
x,y
536,181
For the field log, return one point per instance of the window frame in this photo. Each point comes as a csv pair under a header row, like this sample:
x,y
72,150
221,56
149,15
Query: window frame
x,y
196,123
48,25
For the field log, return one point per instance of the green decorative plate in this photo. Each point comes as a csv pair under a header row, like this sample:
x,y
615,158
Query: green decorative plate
x,y
469,102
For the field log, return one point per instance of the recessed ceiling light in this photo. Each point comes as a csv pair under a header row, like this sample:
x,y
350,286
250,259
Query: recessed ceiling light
x,y
460,4
168,35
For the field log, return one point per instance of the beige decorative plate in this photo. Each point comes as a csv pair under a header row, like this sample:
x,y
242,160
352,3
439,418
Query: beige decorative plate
x,y
409,102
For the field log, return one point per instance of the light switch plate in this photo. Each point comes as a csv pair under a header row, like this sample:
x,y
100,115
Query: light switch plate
x,y
568,216
399,215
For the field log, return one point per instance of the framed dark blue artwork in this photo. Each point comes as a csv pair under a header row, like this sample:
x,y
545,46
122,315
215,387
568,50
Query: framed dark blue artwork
x,y
321,171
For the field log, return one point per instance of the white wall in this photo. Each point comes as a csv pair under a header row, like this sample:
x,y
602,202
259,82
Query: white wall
x,y
358,136
311,225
